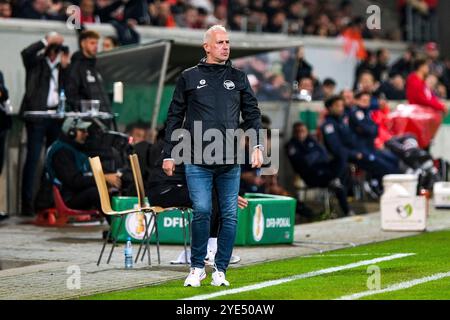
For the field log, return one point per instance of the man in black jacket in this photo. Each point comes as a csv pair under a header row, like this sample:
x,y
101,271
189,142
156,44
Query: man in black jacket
x,y
5,125
85,82
46,75
5,119
212,95
68,167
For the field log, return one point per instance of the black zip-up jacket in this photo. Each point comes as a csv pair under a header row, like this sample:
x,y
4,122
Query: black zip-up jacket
x,y
216,95
64,165
37,80
85,83
5,119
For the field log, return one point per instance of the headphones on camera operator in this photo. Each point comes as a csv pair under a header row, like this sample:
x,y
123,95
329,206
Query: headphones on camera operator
x,y
72,133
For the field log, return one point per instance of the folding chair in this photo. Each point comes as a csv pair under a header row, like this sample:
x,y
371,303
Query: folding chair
x,y
102,188
137,175
61,215
302,187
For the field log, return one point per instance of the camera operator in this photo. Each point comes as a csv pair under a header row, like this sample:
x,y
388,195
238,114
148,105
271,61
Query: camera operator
x,y
46,75
67,165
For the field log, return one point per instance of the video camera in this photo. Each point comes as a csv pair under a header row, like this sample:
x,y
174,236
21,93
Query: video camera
x,y
57,48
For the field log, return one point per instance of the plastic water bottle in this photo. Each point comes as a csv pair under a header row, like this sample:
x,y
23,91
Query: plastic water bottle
x,y
62,102
128,254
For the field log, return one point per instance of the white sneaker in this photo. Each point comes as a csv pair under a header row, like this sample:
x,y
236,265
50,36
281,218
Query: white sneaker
x,y
235,259
218,279
195,277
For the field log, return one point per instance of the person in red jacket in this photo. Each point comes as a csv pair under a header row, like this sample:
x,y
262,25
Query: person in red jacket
x,y
416,90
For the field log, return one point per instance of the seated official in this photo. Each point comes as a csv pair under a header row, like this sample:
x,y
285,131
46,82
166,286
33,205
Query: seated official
x,y
139,132
68,167
311,161
343,144
366,131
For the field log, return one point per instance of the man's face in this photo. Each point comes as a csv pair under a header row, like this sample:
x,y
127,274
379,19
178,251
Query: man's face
x,y
348,97
218,47
52,54
384,57
301,132
81,136
220,12
398,82
87,7
138,135
107,44
190,17
431,81
306,84
433,54
103,3
5,10
363,101
328,90
424,69
89,47
366,82
337,109
41,6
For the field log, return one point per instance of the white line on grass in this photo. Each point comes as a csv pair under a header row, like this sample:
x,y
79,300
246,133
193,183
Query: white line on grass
x,y
346,255
299,276
397,286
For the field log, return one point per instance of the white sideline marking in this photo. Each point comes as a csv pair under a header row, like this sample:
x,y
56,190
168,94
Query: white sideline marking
x,y
397,286
299,276
345,255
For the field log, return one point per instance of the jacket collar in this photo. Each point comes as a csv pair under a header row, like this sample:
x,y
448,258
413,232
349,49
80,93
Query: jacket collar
x,y
203,63
81,57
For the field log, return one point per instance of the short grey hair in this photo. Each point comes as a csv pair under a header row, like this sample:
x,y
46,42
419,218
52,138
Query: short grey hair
x,y
208,32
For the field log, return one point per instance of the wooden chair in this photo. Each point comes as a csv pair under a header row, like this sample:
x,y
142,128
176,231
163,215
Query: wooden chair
x,y
102,188
137,175
142,205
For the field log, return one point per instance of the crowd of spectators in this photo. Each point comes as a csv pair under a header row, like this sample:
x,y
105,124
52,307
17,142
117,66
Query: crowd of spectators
x,y
322,18
385,79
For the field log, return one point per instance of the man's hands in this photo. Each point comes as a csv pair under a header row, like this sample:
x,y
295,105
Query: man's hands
x,y
242,202
54,38
168,167
257,158
113,180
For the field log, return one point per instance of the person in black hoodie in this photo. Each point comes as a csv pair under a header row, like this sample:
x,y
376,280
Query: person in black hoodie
x,y
85,82
68,167
46,76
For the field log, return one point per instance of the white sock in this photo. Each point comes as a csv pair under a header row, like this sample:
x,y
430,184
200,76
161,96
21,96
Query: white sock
x,y
212,245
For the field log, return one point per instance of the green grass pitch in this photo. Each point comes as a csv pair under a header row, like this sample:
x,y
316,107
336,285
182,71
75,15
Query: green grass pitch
x,y
431,256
